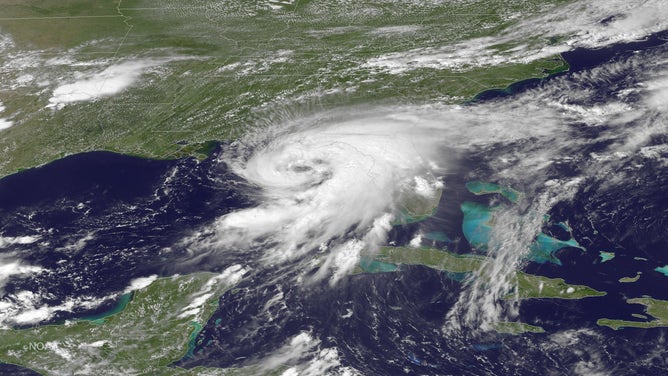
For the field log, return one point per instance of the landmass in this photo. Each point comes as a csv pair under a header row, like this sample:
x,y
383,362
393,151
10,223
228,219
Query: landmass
x,y
156,328
606,256
630,279
484,188
163,79
416,207
528,286
533,286
512,327
658,309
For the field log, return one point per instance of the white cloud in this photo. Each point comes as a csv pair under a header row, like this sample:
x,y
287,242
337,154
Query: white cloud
x,y
329,184
577,25
306,357
25,308
91,86
9,240
416,242
427,187
4,123
229,277
12,267
140,283
6,42
656,91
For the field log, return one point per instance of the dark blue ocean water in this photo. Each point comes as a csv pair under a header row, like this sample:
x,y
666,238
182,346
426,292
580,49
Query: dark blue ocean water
x,y
133,210
580,59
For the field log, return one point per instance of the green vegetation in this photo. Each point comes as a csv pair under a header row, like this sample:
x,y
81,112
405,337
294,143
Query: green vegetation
x,y
151,332
528,286
223,68
656,308
62,24
532,286
416,208
630,279
433,258
510,327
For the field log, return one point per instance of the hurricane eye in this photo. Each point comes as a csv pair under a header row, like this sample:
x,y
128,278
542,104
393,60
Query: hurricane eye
x,y
301,168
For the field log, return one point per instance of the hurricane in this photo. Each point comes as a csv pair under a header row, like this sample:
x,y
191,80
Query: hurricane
x,y
330,186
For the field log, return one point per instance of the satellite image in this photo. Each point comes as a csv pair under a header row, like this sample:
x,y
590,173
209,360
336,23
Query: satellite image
x,y
334,187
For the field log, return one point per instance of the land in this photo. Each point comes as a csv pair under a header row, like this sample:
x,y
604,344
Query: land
x,y
606,256
416,208
155,329
630,279
218,70
511,327
653,307
528,286
483,188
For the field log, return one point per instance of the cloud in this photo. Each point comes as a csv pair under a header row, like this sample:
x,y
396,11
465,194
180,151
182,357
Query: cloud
x,y
331,184
140,283
91,86
570,26
4,123
26,308
306,357
328,185
229,277
6,241
9,267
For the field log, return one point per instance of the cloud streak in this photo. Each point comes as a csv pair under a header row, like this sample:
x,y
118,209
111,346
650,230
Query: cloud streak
x,y
589,24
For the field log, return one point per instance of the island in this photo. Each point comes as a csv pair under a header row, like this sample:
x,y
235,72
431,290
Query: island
x,y
483,188
630,279
513,327
606,256
528,286
653,307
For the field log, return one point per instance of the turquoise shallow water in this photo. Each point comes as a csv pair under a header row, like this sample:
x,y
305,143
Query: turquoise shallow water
x,y
606,256
192,339
663,270
438,236
545,246
477,228
373,266
477,225
100,318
